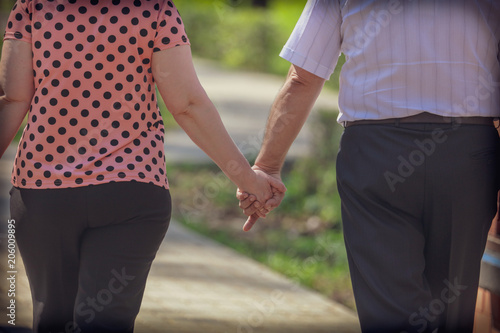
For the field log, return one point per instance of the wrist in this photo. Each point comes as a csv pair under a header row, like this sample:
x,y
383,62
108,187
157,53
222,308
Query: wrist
x,y
274,170
246,179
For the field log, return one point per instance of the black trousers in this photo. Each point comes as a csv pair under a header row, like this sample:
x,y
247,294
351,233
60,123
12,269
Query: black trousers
x,y
88,251
417,203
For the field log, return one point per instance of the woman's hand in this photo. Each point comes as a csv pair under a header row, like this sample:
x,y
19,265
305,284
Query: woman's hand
x,y
255,207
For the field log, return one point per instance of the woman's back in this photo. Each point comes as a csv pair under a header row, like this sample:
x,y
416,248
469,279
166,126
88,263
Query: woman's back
x,y
94,116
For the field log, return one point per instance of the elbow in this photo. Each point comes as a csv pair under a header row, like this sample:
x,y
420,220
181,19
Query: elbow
x,y
297,84
21,104
184,112
16,100
190,107
303,79
300,81
296,80
10,95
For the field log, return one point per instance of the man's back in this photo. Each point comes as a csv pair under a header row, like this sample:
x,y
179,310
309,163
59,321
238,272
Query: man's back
x,y
406,57
417,170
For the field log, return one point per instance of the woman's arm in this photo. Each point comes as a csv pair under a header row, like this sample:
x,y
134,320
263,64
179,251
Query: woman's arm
x,y
16,88
188,102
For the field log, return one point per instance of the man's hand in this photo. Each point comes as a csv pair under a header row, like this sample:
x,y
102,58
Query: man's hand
x,y
255,209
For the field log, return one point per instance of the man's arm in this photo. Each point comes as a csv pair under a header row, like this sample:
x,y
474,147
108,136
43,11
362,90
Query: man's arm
x,y
289,112
16,88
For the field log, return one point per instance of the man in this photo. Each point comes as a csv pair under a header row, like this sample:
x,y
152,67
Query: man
x,y
418,161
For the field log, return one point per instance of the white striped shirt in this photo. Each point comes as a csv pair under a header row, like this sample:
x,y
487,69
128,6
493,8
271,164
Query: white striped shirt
x,y
404,57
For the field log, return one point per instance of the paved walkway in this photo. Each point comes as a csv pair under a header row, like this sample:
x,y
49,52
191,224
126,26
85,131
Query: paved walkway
x,y
243,100
197,285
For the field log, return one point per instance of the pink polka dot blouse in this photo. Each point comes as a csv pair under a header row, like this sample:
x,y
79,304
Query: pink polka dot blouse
x,y
94,116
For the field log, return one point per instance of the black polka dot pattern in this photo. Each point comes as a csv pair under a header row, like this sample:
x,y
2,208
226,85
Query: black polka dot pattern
x,y
94,117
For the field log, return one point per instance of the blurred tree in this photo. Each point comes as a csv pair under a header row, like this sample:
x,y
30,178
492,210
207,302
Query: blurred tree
x,y
6,5
260,3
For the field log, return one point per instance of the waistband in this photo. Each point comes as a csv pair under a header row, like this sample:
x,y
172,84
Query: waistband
x,y
426,117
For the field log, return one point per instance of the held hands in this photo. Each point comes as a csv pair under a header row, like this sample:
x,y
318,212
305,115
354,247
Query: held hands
x,y
255,206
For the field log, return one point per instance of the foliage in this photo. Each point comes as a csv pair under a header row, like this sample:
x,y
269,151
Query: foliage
x,y
312,185
6,5
239,36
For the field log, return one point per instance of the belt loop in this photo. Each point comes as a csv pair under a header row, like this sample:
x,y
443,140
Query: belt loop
x,y
397,122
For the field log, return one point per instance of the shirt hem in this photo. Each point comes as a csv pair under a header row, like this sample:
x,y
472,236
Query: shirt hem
x,y
173,44
343,117
33,186
306,63
11,36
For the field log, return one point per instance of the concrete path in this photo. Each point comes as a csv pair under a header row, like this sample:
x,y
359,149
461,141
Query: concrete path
x,y
205,287
243,100
197,285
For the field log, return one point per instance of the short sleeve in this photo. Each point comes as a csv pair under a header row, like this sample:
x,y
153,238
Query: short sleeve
x,y
315,42
19,22
170,29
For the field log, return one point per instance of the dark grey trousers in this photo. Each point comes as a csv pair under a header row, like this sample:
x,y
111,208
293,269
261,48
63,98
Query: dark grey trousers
x,y
88,251
417,203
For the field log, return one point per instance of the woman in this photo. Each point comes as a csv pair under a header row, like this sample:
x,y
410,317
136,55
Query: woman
x,y
90,195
